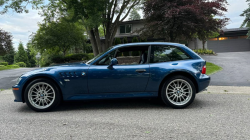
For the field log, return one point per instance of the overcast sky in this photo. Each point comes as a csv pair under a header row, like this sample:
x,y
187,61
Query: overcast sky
x,y
22,25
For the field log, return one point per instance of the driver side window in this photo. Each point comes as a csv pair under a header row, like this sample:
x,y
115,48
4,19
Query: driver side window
x,y
106,59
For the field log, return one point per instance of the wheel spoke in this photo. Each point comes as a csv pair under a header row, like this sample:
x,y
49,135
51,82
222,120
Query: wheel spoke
x,y
46,88
170,93
183,93
45,99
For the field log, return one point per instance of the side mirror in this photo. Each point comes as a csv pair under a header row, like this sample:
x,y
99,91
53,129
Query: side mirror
x,y
113,62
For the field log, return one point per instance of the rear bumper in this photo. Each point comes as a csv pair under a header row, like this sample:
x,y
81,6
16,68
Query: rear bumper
x,y
204,81
17,94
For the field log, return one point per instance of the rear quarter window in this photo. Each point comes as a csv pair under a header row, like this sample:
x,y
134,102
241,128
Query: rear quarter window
x,y
166,53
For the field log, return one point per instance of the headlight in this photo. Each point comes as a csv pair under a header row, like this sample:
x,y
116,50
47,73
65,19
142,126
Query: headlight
x,y
18,80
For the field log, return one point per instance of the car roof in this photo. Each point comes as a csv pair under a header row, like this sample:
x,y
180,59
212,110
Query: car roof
x,y
148,43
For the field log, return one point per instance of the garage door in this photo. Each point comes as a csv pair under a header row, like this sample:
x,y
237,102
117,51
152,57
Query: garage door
x,y
230,45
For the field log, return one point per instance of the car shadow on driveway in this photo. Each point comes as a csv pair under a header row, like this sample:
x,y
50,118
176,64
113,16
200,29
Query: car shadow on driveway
x,y
115,104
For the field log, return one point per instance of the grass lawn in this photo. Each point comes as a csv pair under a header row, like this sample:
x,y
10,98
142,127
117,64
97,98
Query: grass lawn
x,y
8,67
212,68
1,58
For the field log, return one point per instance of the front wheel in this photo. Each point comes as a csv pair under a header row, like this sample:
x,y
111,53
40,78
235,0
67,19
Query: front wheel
x,y
42,95
178,92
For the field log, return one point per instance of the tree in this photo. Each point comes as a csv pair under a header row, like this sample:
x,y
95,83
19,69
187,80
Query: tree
x,y
206,35
246,22
31,53
58,36
21,55
9,57
92,13
6,45
134,15
183,18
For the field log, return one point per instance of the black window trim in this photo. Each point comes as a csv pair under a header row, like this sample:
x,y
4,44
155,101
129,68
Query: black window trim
x,y
125,28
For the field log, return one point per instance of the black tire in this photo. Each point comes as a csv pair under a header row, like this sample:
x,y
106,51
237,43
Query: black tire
x,y
56,96
168,100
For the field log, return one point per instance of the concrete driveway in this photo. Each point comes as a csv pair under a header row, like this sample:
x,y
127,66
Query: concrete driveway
x,y
212,116
8,77
236,69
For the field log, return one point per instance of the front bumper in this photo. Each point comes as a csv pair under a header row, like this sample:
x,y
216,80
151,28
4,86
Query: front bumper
x,y
17,93
204,81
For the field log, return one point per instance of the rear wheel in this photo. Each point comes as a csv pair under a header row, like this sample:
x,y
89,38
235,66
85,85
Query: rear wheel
x,y
178,92
42,95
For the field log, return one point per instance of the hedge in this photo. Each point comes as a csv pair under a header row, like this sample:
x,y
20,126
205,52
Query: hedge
x,y
20,64
4,63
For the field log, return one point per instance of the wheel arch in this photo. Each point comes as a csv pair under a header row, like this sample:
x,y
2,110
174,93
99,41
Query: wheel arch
x,y
183,73
39,77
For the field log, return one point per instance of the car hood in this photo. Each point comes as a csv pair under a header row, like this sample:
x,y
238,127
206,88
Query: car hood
x,y
55,68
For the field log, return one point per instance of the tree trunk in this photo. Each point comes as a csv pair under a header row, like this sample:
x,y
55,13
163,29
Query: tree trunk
x,y
203,44
98,40
93,42
171,35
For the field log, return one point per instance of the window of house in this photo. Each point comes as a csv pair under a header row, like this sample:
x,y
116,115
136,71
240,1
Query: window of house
x,y
125,29
164,53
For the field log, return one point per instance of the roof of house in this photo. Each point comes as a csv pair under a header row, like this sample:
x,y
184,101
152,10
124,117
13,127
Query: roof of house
x,y
132,21
235,29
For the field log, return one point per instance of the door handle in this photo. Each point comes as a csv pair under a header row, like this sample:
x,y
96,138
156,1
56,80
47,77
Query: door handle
x,y
140,70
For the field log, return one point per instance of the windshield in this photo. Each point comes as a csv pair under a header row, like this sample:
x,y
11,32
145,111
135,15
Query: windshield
x,y
91,60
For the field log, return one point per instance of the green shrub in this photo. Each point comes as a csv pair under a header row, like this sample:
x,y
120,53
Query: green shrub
x,y
135,39
125,53
2,66
206,51
135,53
57,58
20,64
90,55
4,63
76,57
14,66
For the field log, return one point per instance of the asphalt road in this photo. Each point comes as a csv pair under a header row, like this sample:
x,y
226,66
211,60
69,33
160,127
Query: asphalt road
x,y
211,116
8,77
236,69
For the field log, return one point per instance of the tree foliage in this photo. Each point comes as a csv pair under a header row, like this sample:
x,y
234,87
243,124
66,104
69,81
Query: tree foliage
x,y
21,55
125,40
117,41
246,22
134,15
58,36
31,53
6,45
172,19
135,39
92,13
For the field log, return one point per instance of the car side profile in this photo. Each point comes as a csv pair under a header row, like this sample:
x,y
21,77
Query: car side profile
x,y
170,71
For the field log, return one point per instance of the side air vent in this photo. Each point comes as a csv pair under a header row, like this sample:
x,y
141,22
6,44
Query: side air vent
x,y
68,74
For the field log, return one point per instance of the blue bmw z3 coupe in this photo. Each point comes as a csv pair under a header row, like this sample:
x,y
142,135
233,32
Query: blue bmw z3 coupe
x,y
170,71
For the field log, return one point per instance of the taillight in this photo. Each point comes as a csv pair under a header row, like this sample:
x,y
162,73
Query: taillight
x,y
204,69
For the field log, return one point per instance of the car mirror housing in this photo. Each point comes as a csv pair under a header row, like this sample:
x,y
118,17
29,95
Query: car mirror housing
x,y
113,62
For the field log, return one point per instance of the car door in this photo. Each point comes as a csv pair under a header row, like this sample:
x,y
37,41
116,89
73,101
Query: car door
x,y
119,78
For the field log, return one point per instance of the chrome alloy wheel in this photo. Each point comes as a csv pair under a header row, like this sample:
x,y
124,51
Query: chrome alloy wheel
x,y
179,92
41,95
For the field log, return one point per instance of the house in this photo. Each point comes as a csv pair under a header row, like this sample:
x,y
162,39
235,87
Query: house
x,y
231,40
